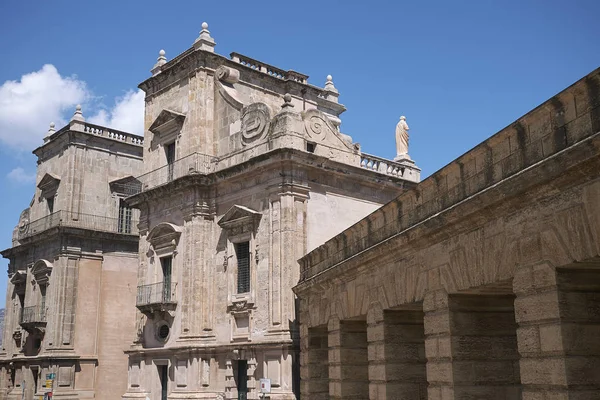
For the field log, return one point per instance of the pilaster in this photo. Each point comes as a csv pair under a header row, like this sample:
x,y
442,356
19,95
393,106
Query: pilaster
x,y
558,326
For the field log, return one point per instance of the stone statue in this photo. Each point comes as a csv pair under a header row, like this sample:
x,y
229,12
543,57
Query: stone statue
x,y
402,138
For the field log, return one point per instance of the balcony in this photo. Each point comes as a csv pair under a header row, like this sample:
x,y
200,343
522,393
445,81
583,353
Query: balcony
x,y
81,221
195,163
156,297
33,318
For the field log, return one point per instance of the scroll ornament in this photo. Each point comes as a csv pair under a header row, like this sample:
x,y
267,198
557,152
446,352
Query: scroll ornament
x,y
256,120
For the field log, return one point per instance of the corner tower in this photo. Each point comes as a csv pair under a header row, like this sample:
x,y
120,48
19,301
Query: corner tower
x,y
246,170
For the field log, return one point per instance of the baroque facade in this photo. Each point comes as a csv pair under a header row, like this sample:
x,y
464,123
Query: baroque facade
x,y
70,300
245,170
482,282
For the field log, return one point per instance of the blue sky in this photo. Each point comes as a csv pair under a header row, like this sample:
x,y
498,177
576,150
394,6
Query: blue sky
x,y
460,71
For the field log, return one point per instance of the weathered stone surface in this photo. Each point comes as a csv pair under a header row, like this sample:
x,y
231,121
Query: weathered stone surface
x,y
73,267
500,248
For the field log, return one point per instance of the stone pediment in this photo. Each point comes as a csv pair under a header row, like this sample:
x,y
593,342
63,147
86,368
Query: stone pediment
x,y
164,238
18,278
320,129
167,123
125,186
49,183
239,216
41,271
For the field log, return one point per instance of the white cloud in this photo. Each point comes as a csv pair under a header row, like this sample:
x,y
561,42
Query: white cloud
x,y
18,175
126,115
29,105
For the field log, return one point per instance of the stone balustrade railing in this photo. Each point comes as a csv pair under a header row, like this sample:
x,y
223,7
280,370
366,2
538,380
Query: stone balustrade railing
x,y
381,165
269,69
113,134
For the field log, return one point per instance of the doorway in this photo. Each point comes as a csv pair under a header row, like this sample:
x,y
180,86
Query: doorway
x,y
241,378
163,376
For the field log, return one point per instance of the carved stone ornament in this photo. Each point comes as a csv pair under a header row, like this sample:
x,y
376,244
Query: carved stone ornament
x,y
41,271
226,74
319,128
256,120
164,238
317,125
24,222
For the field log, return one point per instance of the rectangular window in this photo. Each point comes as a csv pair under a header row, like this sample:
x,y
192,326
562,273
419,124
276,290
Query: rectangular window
x,y
170,153
167,265
50,201
125,213
242,252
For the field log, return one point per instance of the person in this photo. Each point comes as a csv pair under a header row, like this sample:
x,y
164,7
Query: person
x,y
402,138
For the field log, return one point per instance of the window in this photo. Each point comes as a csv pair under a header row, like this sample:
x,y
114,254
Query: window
x,y
166,264
124,222
170,153
310,147
50,201
242,251
43,302
163,375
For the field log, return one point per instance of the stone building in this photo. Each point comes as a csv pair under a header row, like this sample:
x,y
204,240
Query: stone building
x,y
70,300
482,282
245,170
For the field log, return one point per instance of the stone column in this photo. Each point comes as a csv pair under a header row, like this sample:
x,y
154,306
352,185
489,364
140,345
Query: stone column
x,y
396,354
437,346
314,368
471,346
558,312
348,360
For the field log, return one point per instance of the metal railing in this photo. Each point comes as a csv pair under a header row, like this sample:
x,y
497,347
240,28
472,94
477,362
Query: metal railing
x,y
195,163
32,314
156,293
79,220
198,163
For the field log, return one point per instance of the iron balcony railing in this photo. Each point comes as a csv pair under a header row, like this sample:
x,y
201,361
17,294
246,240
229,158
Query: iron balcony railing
x,y
79,220
198,163
32,315
156,293
195,163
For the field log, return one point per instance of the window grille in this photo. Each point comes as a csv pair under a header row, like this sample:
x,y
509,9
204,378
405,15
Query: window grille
x,y
242,251
125,213
166,263
170,153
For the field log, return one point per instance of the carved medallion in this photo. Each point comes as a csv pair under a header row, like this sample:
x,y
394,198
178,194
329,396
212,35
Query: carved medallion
x,y
24,222
256,119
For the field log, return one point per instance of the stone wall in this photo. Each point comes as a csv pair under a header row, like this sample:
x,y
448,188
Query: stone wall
x,y
566,119
497,256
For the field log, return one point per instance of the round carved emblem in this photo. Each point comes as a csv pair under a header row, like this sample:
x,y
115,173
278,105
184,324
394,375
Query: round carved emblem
x,y
256,119
24,222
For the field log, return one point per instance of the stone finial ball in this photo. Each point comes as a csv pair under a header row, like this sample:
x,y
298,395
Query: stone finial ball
x,y
204,25
161,53
78,108
52,125
329,78
287,98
